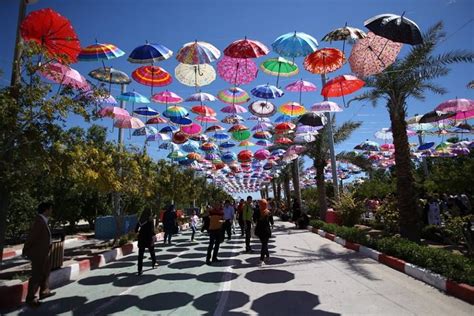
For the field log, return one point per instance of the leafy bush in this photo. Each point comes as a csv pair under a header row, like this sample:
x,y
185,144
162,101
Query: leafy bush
x,y
453,229
316,223
433,233
388,215
349,208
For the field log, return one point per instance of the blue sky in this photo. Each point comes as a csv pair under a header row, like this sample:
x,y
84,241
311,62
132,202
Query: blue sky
x,y
128,24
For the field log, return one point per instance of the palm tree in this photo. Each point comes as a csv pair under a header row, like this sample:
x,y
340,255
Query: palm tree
x,y
319,152
411,76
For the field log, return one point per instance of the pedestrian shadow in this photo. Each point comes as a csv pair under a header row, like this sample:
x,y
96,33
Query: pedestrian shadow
x,y
55,306
164,301
192,255
227,263
133,280
289,303
176,276
100,279
177,249
269,276
106,305
217,277
188,264
228,254
119,265
209,302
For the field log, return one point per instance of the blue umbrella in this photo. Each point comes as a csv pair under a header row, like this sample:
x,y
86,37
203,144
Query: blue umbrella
x,y
266,91
283,118
146,111
133,96
221,136
278,152
145,131
190,146
227,145
157,137
228,157
169,129
426,146
295,44
149,53
263,142
181,120
170,146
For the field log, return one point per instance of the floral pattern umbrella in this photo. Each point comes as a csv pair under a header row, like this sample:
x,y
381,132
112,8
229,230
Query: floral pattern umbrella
x,y
346,33
246,48
157,120
194,53
195,75
326,106
324,61
371,55
237,71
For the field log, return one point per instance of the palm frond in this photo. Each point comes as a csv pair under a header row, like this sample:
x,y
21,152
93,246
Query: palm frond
x,y
355,159
345,131
371,95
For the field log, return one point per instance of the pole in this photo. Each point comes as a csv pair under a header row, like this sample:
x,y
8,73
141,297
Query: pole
x,y
122,106
423,159
116,195
15,80
331,146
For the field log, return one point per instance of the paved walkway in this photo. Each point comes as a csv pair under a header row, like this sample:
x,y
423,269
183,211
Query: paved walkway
x,y
307,275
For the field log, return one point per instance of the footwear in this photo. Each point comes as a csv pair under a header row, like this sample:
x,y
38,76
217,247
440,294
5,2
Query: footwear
x,y
47,294
139,273
216,260
262,263
153,264
33,304
208,263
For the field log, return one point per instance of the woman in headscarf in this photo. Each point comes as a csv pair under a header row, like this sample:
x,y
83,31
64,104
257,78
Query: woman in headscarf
x,y
169,223
146,233
263,231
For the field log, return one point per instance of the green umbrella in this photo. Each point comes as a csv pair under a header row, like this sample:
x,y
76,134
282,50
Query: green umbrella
x,y
279,67
241,135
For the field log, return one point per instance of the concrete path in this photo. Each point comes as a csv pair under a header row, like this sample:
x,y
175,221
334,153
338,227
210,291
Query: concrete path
x,y
307,275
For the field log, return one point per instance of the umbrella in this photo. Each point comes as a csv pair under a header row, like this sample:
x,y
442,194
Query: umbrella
x,y
279,67
110,75
194,156
53,32
241,135
190,146
245,156
177,154
234,109
214,128
194,53
300,86
149,53
435,116
304,138
153,76
233,95
237,127
341,86
345,33
92,96
179,138
129,122
237,71
195,75
371,55
157,137
201,97
207,119
133,96
308,129
169,129
146,111
387,147
264,143
166,97
284,141
368,146
246,48
261,126
470,84
262,135
295,44
145,131
64,75
292,109
456,105
203,110
175,111
208,146
395,28
246,143
228,157
262,154
462,116
191,129
227,145
283,118
313,119
324,61
157,120
266,91
181,120
113,112
232,119
326,106
222,136
262,108
284,127
384,134
169,146
100,51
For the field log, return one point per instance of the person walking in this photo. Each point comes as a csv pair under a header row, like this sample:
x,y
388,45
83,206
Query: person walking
x,y
263,231
37,248
229,213
205,218
296,212
247,217
240,216
216,216
146,232
194,221
169,223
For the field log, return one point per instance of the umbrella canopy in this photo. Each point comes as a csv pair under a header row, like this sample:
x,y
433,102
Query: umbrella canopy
x,y
214,128
153,76
91,96
284,127
110,75
232,119
301,86
266,91
166,97
201,97
195,75
237,71
387,147
228,157
395,28
241,135
169,129
262,108
133,96
203,110
175,111
371,55
194,156
237,127
181,120
245,156
157,120
64,75
169,146
53,32
146,111
262,135
227,145
262,154
324,61
246,48
295,44
100,51
149,53
384,134
129,122
462,116
234,109
326,106
194,53
157,137
207,119
284,141
233,95
264,143
368,146
208,146
435,116
345,33
145,131
179,137
292,109
222,136
191,129
456,105
283,118
190,146
313,119
177,154
113,112
304,138
279,67
342,85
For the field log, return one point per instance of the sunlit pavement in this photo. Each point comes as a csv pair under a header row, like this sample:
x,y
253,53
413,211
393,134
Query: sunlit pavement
x,y
307,275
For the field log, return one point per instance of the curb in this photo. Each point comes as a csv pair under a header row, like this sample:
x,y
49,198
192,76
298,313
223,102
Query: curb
x,y
12,296
462,291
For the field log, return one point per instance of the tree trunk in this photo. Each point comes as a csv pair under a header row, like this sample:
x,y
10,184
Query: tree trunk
x,y
319,164
274,189
4,206
296,180
406,199
278,184
286,187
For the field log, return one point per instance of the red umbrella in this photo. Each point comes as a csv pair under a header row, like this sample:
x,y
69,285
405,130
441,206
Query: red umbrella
x,y
341,86
246,48
203,110
324,60
53,32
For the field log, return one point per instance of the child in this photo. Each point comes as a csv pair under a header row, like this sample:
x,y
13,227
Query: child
x,y
194,220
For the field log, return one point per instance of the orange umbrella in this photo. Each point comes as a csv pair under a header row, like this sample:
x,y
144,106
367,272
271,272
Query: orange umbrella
x,y
203,110
324,60
341,86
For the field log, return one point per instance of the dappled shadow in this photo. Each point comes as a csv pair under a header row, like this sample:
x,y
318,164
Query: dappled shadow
x,y
177,249
231,247
133,280
192,255
99,279
227,263
186,264
288,303
227,254
55,306
269,276
107,305
119,265
165,256
271,261
200,248
216,277
176,276
164,301
208,302
189,244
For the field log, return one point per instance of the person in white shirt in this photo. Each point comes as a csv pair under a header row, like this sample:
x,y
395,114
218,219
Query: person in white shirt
x,y
194,222
229,213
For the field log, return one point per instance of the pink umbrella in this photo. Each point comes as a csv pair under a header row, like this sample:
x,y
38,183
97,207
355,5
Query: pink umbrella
x,y
301,86
261,154
456,105
65,75
234,109
462,116
166,97
387,147
113,112
129,122
206,119
298,149
262,126
371,55
191,129
237,71
157,120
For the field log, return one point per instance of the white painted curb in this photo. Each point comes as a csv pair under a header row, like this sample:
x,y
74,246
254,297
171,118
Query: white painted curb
x,y
371,253
436,280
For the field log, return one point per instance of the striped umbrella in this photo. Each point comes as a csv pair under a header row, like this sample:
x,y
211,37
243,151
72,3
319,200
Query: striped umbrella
x,y
292,109
100,51
149,53
324,61
166,97
152,76
175,111
279,67
233,95
203,110
234,109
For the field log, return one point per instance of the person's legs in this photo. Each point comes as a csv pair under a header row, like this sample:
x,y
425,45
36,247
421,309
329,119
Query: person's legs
x,y
166,237
248,227
265,248
228,228
262,250
151,249
169,237
241,224
141,251
35,279
212,240
194,231
216,250
44,282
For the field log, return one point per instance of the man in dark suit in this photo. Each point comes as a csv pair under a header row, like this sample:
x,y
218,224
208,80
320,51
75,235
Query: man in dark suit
x,y
37,248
